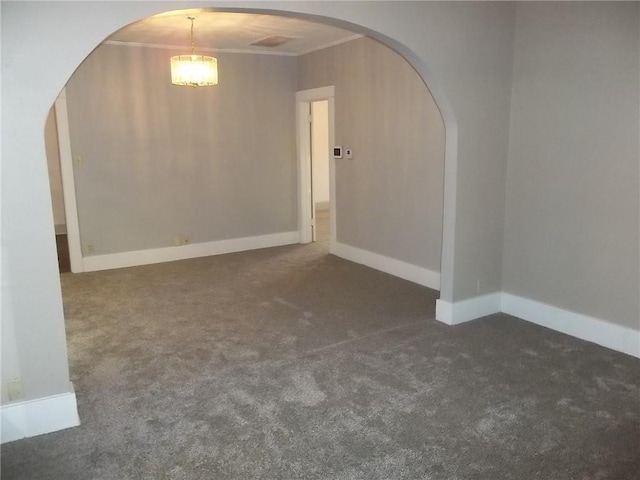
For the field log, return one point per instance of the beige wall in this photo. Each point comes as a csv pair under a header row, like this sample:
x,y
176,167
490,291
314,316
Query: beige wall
x,y
572,233
160,161
389,196
10,365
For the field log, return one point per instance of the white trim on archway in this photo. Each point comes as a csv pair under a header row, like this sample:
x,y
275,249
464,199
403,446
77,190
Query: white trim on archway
x,y
68,183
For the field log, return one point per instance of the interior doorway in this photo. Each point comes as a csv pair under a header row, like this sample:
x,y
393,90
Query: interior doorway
x,y
317,219
320,192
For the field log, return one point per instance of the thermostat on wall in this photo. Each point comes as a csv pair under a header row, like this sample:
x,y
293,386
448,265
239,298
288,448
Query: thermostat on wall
x,y
337,152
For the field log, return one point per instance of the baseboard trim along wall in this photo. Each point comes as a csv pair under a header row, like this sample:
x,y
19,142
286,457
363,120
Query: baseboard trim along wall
x,y
607,334
168,254
616,337
39,416
398,268
467,310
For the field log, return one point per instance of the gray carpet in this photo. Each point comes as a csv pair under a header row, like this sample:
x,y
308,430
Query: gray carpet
x,y
288,363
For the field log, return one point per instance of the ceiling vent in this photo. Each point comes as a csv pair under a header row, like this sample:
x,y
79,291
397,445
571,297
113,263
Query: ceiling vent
x,y
273,41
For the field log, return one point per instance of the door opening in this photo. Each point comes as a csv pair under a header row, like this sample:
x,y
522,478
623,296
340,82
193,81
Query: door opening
x,y
316,172
320,192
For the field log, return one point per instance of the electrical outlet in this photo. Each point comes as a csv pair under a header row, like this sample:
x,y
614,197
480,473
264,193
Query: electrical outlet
x,y
91,248
179,240
479,286
14,389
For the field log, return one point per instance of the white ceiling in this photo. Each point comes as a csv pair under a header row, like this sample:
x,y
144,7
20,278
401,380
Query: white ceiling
x,y
224,31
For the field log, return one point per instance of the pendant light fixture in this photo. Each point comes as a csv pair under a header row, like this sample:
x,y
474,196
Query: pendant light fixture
x,y
194,70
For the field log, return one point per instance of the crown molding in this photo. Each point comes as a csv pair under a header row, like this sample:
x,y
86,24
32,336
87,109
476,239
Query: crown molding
x,y
232,50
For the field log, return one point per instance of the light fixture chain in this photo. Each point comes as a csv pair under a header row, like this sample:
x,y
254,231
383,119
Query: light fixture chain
x,y
193,45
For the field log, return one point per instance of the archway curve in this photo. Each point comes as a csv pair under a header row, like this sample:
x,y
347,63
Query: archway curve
x,y
432,84
60,35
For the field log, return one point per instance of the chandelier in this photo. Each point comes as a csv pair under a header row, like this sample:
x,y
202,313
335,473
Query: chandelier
x,y
194,70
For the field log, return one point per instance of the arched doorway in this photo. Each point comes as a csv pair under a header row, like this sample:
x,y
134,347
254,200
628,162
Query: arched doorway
x,y
64,58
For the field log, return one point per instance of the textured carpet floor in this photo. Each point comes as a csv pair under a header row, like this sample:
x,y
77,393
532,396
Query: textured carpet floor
x,y
287,363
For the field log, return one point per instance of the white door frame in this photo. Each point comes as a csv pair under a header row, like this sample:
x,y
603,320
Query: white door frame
x,y
304,98
68,184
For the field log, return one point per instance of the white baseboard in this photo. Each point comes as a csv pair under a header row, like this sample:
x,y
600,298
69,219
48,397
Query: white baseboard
x,y
37,417
466,310
616,337
194,250
398,268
